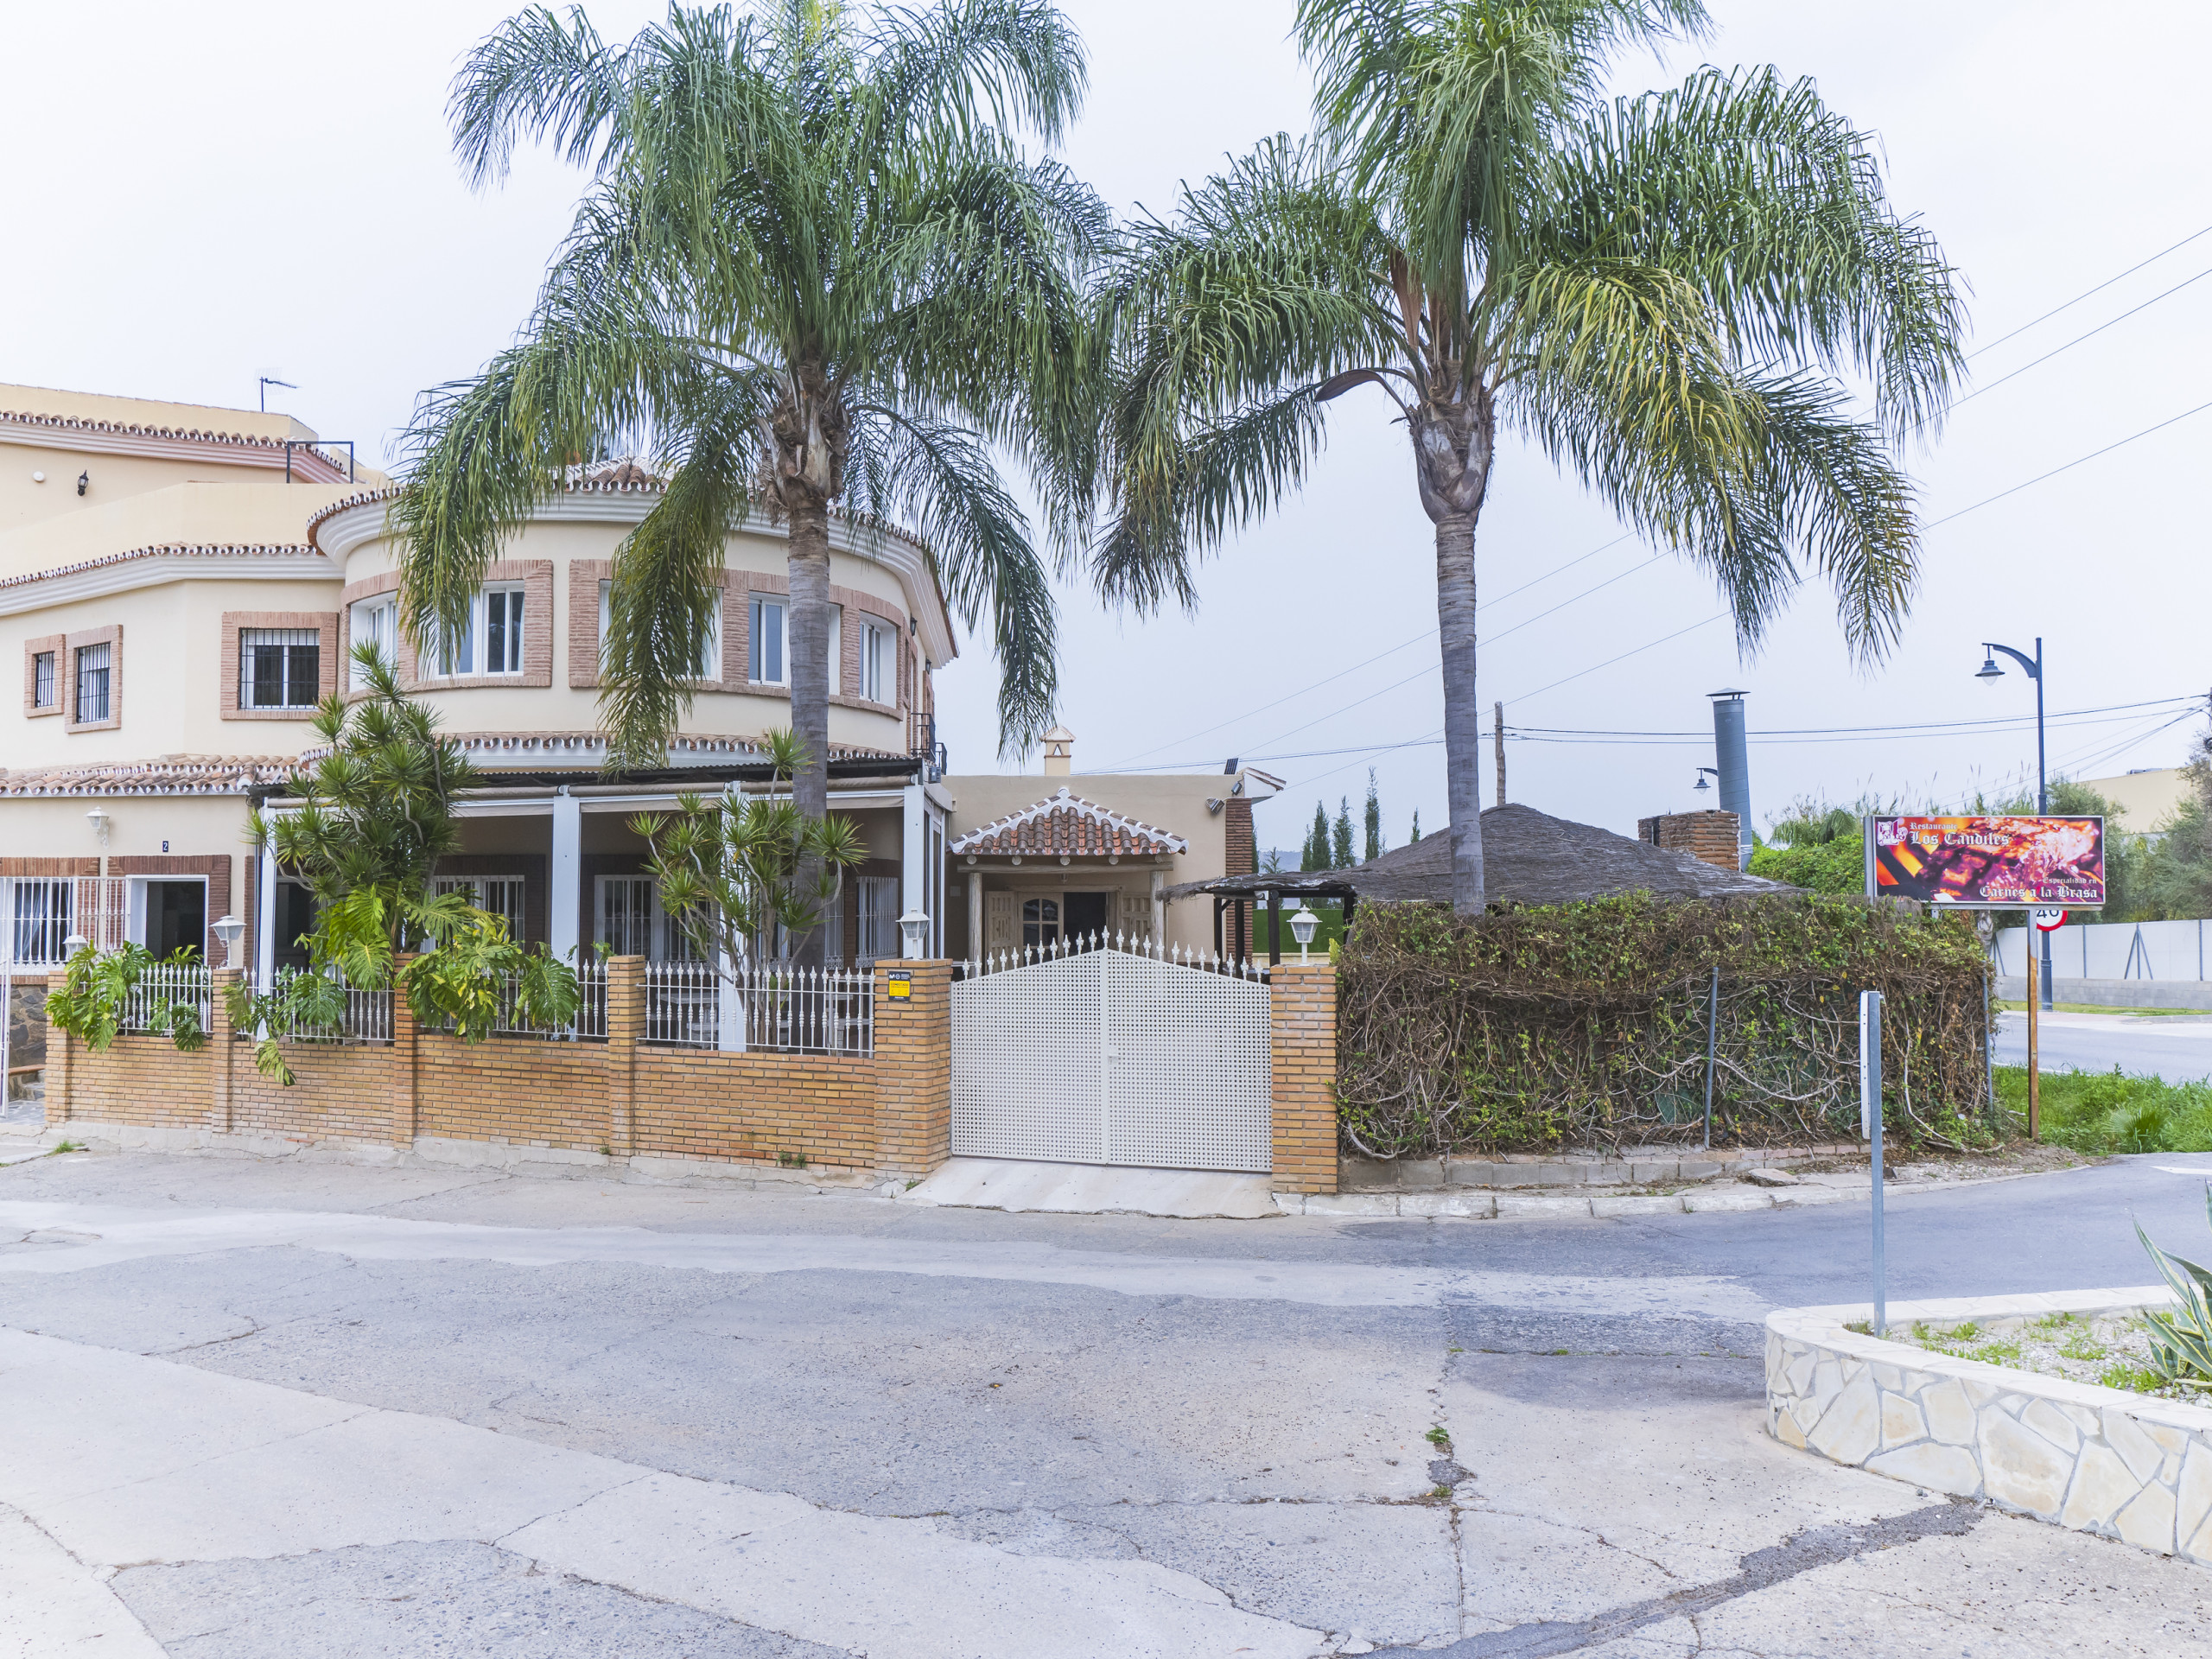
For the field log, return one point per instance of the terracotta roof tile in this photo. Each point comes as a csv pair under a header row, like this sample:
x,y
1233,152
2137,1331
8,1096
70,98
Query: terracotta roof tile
x,y
1067,825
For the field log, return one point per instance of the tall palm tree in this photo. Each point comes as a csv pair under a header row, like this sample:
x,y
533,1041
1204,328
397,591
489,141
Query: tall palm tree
x,y
812,272
1661,292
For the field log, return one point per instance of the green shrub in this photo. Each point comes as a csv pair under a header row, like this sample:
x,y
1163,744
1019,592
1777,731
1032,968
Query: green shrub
x,y
2102,1112
1584,1024
2181,1337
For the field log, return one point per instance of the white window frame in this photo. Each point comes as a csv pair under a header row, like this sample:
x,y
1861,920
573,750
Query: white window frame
x,y
471,661
286,641
507,903
135,927
710,648
876,641
879,938
663,941
374,622
37,930
757,637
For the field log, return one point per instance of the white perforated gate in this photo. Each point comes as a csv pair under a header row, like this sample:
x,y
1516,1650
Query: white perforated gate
x,y
1108,1058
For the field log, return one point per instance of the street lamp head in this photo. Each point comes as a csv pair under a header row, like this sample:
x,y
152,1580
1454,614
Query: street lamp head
x,y
1302,924
1989,673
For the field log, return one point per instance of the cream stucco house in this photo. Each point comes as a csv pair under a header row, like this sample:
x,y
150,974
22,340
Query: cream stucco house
x,y
181,585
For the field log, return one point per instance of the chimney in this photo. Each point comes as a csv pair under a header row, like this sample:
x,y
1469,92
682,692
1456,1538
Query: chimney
x,y
1059,751
1732,758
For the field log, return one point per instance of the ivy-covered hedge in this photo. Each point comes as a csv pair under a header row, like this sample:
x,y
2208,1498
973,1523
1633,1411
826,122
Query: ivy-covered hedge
x,y
1584,1025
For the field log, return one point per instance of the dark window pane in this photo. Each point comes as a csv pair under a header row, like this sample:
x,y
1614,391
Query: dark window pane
x,y
300,675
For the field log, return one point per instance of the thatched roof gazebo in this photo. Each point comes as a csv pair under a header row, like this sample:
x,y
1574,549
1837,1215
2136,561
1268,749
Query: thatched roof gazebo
x,y
1528,857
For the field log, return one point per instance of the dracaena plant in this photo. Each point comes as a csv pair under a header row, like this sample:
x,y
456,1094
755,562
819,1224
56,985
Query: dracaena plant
x,y
737,872
814,273
1663,294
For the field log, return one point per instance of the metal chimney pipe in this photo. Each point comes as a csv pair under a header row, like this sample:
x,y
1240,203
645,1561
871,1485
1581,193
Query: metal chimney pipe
x,y
1733,760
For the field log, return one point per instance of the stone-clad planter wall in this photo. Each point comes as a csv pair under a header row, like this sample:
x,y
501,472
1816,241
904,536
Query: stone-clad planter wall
x,y
2096,1459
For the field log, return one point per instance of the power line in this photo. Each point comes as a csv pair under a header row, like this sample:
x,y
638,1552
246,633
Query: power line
x,y
2086,292
1800,731
2078,339
2068,467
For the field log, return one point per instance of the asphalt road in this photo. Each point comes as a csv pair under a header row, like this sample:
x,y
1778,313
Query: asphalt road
x,y
2176,1047
251,1410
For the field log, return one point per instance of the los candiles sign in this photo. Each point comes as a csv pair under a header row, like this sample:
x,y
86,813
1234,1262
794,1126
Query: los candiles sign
x,y
1987,863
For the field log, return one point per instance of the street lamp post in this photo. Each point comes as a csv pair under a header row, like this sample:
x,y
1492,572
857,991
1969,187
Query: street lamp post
x,y
1989,674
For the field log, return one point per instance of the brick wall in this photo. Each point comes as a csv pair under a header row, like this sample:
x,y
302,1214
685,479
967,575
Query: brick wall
x,y
1303,1044
620,1096
1707,836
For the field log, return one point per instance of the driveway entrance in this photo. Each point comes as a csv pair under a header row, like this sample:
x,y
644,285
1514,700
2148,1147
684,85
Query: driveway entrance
x,y
1110,1057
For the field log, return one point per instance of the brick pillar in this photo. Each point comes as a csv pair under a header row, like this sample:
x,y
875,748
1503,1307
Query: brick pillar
x,y
625,1024
221,1040
57,1056
913,1068
1303,1048
405,1058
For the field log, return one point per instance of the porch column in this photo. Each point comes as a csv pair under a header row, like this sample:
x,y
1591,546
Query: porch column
x,y
913,853
975,914
1159,910
264,920
564,871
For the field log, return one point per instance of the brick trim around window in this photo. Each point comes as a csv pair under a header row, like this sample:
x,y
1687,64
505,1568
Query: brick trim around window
x,y
326,624
351,595
111,637
584,577
536,578
59,645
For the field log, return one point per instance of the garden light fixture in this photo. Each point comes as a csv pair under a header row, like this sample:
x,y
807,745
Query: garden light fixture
x,y
228,930
1302,924
913,925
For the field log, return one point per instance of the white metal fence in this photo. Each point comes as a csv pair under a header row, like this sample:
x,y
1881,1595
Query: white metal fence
x,y
770,1006
169,982
2159,950
590,1021
366,1019
1088,1053
1132,944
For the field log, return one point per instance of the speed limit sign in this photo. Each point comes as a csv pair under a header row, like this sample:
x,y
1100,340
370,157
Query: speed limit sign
x,y
2047,918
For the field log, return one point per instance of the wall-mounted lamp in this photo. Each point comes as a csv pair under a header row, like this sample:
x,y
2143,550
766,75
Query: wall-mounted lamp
x,y
1213,803
228,930
100,817
84,481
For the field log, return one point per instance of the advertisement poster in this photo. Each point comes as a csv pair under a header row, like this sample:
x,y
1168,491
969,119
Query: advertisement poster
x,y
1987,863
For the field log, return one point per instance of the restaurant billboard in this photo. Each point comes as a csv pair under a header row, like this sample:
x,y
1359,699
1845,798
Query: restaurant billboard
x,y
2000,861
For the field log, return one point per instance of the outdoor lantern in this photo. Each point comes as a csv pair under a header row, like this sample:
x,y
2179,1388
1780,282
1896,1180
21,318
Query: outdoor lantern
x,y
1302,924
1701,784
1989,673
100,817
227,929
73,945
914,925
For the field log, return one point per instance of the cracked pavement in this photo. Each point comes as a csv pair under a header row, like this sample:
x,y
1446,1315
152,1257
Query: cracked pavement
x,y
278,1409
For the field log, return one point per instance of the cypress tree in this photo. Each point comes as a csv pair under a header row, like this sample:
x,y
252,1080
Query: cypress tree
x,y
1316,854
1373,821
1340,841
1416,834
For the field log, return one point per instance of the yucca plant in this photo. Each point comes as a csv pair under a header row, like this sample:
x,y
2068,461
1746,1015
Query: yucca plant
x,y
2181,1338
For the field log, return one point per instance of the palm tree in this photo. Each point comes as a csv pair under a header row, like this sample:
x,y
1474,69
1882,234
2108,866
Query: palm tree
x,y
812,272
1661,292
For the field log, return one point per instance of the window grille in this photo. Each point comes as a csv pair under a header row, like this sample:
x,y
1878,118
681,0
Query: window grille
x,y
765,641
500,895
279,668
93,669
42,680
879,917
40,920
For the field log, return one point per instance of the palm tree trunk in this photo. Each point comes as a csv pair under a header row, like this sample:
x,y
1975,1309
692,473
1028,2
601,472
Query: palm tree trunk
x,y
1463,715
808,566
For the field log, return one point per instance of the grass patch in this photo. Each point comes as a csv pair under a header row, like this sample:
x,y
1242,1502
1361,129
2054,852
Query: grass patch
x,y
2102,1112
2133,1377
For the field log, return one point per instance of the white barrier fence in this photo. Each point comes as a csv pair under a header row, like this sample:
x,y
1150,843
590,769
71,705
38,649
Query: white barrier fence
x,y
1130,944
2153,950
761,1005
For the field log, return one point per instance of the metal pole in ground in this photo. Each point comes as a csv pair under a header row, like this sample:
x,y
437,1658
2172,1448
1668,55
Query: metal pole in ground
x,y
1870,1118
2035,1091
1711,1036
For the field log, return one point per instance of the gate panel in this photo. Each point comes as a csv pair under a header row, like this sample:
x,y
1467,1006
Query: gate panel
x,y
1105,1056
1189,1079
1026,1078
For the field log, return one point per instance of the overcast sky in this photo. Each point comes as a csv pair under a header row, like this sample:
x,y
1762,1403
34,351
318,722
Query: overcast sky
x,y
205,194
